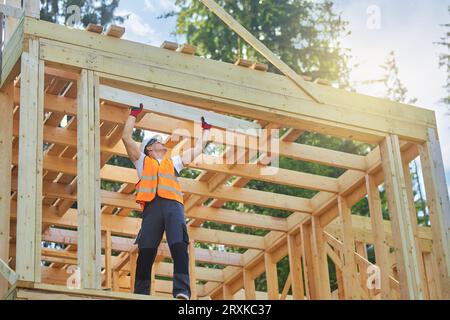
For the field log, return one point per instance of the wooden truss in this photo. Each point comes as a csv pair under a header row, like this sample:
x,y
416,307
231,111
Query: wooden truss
x,y
52,73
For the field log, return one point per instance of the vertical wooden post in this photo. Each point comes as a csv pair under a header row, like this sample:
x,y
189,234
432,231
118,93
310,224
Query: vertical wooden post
x,y
415,227
308,265
116,279
32,8
133,261
153,278
295,265
108,262
192,273
88,158
438,203
320,260
29,196
402,231
6,131
379,236
273,291
349,265
227,295
249,285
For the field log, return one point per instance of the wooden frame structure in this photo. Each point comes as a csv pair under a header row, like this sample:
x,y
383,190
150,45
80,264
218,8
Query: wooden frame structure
x,y
51,73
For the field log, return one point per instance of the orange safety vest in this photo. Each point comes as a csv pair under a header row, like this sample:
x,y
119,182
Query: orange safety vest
x,y
158,179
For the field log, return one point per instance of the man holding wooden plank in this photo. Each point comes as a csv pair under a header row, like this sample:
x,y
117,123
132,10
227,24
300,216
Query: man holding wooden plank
x,y
159,194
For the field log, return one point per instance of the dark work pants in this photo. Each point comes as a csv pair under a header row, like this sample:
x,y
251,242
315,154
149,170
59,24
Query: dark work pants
x,y
163,215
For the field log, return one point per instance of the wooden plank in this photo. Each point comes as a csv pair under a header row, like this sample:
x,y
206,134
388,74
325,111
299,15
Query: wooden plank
x,y
144,54
88,170
438,204
7,274
6,107
380,242
273,292
244,63
115,31
258,46
95,28
320,262
14,42
176,110
351,286
108,263
295,267
405,248
192,273
249,285
169,45
187,49
308,265
260,66
233,94
29,205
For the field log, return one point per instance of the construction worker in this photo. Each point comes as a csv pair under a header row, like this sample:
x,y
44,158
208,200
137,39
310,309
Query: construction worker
x,y
161,200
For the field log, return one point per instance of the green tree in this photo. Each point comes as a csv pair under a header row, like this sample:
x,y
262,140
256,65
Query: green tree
x,y
304,34
92,11
444,61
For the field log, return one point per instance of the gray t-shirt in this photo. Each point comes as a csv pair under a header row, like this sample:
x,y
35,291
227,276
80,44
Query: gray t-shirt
x,y
139,164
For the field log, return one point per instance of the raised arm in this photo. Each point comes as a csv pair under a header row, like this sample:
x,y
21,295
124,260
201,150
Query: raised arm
x,y
189,155
127,136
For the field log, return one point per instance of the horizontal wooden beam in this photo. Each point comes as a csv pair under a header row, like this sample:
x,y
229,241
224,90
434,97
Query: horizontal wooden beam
x,y
185,129
226,88
189,186
129,227
176,110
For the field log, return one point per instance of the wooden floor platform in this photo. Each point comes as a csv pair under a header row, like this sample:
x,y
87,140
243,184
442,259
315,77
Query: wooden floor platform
x,y
38,291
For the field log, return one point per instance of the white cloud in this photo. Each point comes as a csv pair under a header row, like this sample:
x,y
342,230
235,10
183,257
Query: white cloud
x,y
136,28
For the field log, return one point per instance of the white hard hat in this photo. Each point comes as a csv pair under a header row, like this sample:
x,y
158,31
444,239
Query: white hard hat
x,y
150,141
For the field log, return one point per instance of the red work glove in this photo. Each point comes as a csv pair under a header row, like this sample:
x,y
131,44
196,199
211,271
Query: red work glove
x,y
136,111
205,125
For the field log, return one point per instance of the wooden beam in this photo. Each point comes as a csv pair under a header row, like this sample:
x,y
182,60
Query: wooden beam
x,y
438,204
380,242
273,292
6,107
175,110
7,273
295,267
351,286
108,262
320,262
258,46
405,248
29,197
192,273
308,264
330,119
88,171
249,285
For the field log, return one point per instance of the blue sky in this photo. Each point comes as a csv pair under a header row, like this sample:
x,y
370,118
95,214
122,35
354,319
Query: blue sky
x,y
409,27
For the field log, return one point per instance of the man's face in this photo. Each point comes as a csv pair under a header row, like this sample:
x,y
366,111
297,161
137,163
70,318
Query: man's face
x,y
157,150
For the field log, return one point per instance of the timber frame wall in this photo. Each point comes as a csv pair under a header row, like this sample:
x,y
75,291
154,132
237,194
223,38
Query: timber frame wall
x,y
50,71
